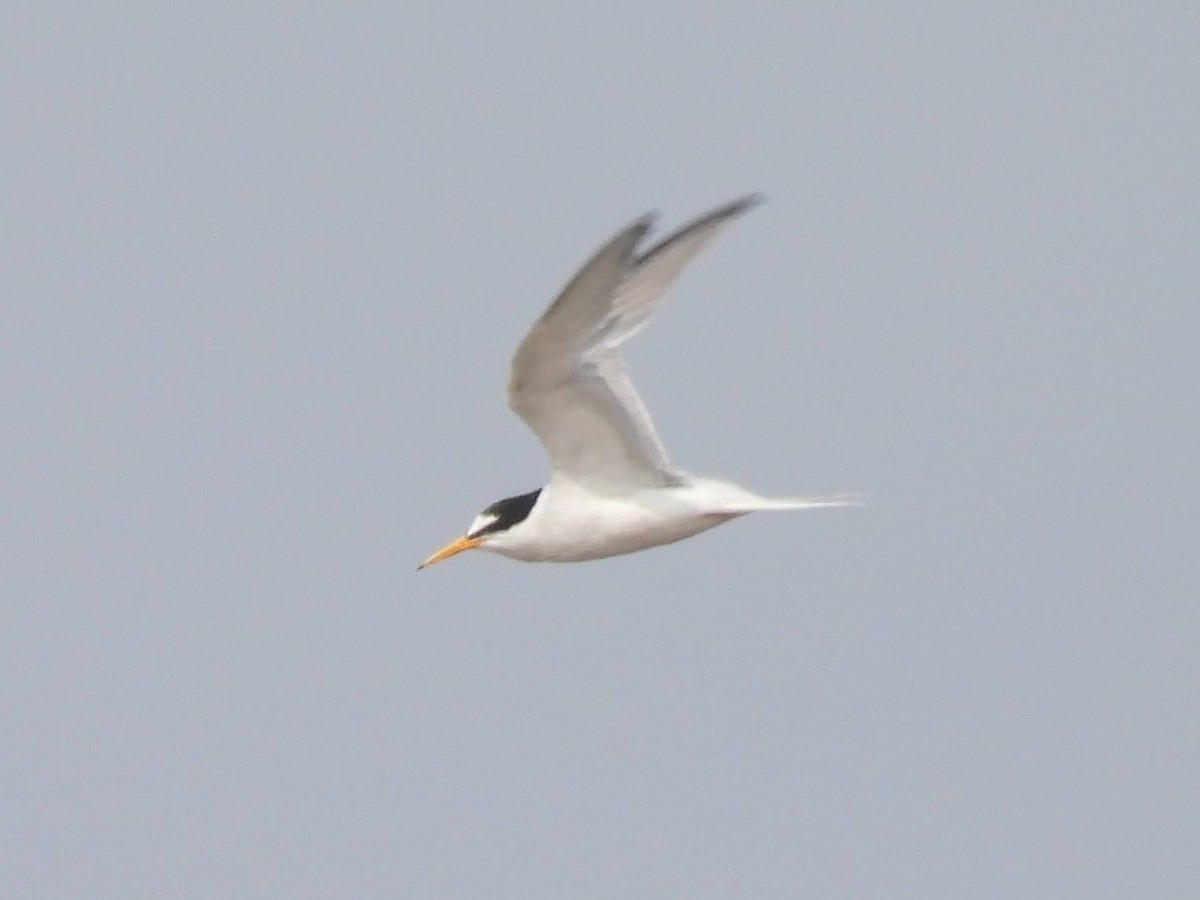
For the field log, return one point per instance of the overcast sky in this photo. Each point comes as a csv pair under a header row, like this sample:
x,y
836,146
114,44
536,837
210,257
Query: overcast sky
x,y
263,268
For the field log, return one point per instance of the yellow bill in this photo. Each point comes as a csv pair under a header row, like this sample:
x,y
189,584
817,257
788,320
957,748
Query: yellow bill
x,y
456,546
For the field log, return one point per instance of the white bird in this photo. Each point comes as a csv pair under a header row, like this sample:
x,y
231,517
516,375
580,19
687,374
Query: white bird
x,y
611,489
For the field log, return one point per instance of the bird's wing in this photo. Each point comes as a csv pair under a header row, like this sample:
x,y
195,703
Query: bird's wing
x,y
644,287
567,381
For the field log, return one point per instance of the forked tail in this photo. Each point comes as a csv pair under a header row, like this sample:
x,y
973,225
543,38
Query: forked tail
x,y
739,500
828,500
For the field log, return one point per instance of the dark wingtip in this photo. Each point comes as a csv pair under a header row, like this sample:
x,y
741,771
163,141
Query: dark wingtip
x,y
644,224
727,211
747,202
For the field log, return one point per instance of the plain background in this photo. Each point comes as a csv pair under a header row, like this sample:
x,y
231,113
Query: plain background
x,y
263,266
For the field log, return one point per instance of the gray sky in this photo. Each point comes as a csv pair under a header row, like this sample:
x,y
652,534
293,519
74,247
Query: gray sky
x,y
263,270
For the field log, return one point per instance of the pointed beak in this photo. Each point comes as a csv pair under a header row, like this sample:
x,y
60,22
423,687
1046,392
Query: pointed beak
x,y
456,546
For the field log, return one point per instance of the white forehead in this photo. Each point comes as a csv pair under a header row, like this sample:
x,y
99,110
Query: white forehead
x,y
482,521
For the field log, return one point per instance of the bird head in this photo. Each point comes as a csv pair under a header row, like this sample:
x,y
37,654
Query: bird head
x,y
489,526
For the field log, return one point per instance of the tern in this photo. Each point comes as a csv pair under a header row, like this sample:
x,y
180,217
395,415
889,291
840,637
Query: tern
x,y
611,490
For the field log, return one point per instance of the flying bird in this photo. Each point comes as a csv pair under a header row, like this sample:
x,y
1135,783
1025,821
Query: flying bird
x,y
611,488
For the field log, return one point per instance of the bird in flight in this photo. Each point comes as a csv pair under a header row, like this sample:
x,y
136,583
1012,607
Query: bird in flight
x,y
611,488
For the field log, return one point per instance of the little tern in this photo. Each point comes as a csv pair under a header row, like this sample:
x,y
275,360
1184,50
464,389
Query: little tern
x,y
611,488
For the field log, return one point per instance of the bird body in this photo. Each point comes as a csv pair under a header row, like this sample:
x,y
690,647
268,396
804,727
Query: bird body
x,y
612,489
572,523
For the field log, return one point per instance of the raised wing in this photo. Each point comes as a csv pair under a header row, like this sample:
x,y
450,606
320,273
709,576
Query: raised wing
x,y
567,381
644,287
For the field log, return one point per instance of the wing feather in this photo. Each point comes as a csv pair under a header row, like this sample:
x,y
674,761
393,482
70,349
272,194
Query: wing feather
x,y
567,381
